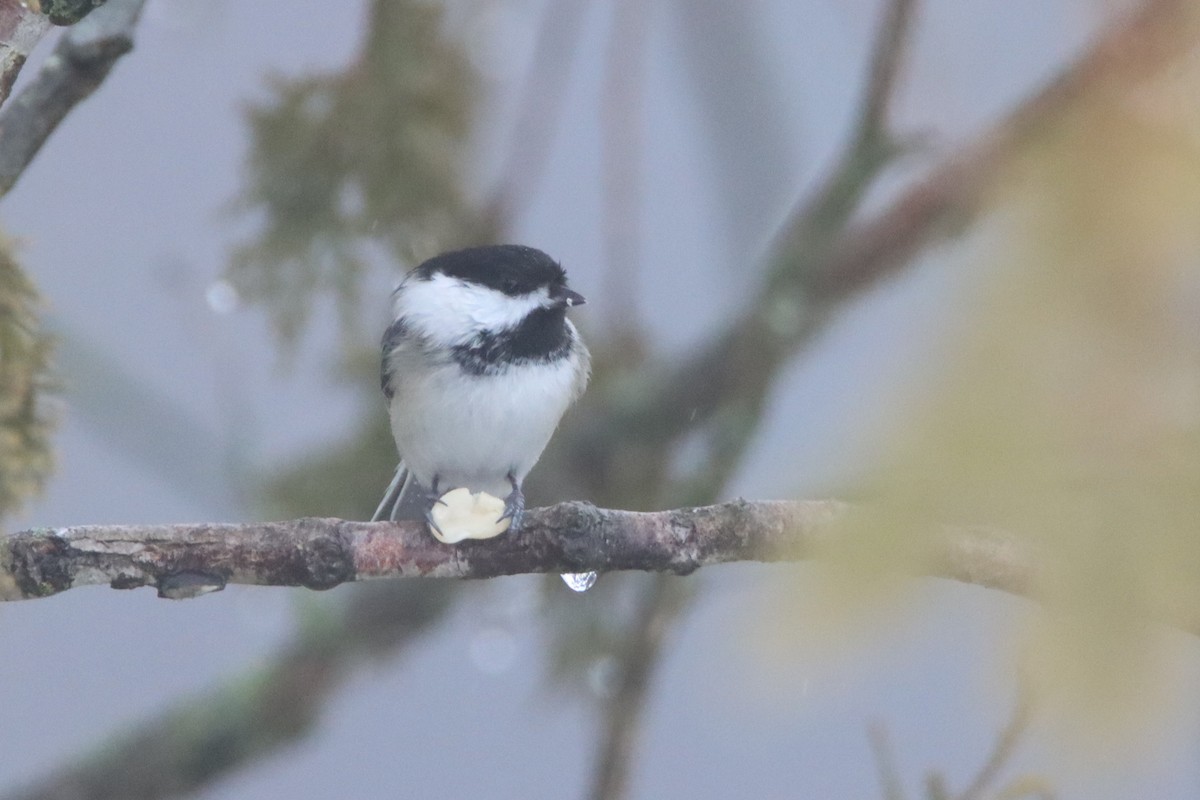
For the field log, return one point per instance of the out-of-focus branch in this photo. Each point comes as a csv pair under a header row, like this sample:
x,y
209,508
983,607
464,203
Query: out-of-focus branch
x,y
539,111
79,64
1003,750
621,115
663,603
821,257
209,736
989,772
20,29
187,560
1135,49
887,62
784,317
734,419
885,763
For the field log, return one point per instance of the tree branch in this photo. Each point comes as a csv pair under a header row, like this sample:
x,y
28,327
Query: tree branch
x,y
1135,49
192,559
79,64
659,611
733,419
539,111
819,261
20,29
205,737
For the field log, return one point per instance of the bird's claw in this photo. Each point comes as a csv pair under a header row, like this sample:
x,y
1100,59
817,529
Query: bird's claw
x,y
433,524
514,506
434,497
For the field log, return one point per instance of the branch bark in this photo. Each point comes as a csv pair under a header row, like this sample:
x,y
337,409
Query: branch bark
x,y
80,62
21,28
318,553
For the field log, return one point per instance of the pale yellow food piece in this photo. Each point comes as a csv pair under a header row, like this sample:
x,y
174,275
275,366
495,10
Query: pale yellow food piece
x,y
463,515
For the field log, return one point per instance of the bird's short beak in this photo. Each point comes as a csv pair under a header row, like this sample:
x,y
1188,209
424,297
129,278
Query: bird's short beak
x,y
569,298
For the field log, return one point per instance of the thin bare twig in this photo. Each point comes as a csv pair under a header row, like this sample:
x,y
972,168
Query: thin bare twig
x,y
735,418
818,262
724,384
621,112
935,783
887,62
79,64
1136,48
664,601
539,109
1005,747
885,763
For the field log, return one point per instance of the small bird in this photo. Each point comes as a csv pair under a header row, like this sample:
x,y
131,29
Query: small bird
x,y
479,365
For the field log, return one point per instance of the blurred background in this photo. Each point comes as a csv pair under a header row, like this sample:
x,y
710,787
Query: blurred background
x,y
214,235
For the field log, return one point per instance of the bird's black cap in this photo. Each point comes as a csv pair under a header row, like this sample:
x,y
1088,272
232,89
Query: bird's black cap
x,y
510,268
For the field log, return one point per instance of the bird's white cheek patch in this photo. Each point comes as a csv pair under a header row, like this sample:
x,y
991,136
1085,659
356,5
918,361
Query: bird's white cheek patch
x,y
461,514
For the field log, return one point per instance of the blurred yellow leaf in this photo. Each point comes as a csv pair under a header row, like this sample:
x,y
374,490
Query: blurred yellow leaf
x,y
1064,405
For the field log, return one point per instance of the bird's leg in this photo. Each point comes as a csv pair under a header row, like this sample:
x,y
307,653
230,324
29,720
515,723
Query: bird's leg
x,y
514,505
433,497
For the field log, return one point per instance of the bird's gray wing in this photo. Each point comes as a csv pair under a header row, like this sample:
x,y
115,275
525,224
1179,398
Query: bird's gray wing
x,y
395,339
404,498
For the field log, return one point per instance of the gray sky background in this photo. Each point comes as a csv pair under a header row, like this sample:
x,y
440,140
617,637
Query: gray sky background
x,y
122,224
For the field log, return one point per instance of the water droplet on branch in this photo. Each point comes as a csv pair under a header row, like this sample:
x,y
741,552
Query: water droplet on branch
x,y
579,581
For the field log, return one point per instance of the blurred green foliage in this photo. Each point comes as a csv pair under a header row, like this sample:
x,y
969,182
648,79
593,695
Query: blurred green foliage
x,y
370,155
364,162
26,457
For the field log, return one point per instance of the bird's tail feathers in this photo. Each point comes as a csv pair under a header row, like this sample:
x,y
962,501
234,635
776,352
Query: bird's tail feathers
x,y
398,495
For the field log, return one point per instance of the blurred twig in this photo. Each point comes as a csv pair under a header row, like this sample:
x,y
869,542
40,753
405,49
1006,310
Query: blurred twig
x,y
621,112
1001,754
539,110
663,601
749,145
79,64
885,763
1133,50
822,257
142,423
1003,750
208,736
734,417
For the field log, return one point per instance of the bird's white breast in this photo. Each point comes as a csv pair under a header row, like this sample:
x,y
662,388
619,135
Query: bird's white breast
x,y
472,430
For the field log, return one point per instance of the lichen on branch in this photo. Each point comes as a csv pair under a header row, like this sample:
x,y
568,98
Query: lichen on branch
x,y
26,423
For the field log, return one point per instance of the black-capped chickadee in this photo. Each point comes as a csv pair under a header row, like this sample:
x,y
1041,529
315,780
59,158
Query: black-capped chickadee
x,y
478,368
